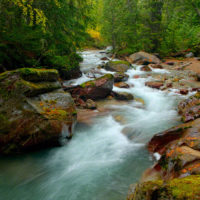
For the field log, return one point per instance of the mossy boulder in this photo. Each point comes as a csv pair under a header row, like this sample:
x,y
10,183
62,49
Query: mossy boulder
x,y
177,189
117,66
96,89
35,112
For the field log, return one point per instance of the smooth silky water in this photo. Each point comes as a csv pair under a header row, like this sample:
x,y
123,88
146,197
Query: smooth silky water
x,y
101,160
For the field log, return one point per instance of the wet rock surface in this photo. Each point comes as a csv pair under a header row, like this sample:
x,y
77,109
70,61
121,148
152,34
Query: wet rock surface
x,y
35,111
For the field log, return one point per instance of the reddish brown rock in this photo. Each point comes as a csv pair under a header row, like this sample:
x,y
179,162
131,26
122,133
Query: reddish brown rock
x,y
122,85
104,58
154,84
184,91
146,69
99,88
136,76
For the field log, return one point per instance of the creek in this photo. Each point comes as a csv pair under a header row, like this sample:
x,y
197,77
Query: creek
x,y
102,159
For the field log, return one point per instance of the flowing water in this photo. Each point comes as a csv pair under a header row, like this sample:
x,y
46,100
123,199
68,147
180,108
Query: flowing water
x,y
102,159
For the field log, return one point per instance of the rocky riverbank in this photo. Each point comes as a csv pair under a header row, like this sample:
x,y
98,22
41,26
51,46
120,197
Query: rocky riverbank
x,y
175,174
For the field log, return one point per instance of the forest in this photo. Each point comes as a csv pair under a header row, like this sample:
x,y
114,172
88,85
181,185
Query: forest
x,y
47,34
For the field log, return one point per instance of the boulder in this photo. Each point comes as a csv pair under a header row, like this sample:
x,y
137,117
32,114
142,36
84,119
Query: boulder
x,y
120,77
34,111
145,69
179,148
117,66
141,56
96,89
122,85
190,108
177,189
154,84
123,96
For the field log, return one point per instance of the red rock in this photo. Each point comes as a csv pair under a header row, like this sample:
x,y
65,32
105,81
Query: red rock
x,y
154,84
122,85
104,58
146,69
136,76
184,91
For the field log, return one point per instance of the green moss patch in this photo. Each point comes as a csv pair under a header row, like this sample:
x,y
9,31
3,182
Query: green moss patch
x,y
119,62
38,75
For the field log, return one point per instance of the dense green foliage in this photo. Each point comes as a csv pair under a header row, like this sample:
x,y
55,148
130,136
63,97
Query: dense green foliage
x,y
46,34
162,26
35,33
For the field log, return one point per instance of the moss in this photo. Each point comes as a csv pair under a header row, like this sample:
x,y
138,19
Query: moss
x,y
177,189
93,83
125,52
33,89
119,62
197,95
37,75
185,188
4,125
88,84
108,76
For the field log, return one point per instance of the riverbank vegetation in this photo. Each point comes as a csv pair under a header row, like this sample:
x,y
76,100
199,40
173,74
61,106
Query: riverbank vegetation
x,y
47,34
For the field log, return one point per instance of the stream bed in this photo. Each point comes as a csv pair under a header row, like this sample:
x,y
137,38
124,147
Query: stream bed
x,y
101,160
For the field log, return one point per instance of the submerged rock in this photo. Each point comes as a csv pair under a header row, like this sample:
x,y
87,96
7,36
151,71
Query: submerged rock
x,y
122,85
154,84
34,111
120,77
145,69
143,57
117,66
124,96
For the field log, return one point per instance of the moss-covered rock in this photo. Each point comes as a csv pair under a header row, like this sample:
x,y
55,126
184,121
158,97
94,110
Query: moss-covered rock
x,y
95,89
39,75
177,189
117,66
34,114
